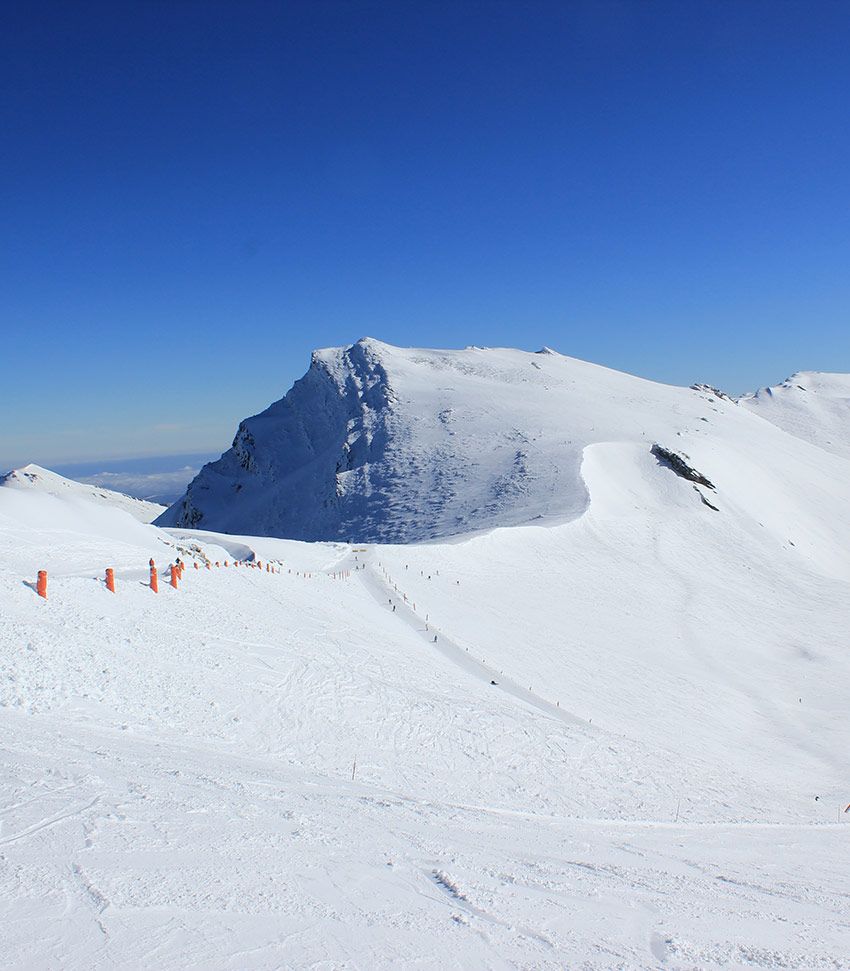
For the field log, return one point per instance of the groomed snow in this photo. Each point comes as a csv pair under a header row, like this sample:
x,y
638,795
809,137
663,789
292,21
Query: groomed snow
x,y
637,789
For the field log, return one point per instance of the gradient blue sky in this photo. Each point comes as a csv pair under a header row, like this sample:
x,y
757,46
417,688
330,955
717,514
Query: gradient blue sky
x,y
197,194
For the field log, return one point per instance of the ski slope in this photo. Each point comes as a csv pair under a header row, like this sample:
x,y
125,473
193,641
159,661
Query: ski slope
x,y
261,771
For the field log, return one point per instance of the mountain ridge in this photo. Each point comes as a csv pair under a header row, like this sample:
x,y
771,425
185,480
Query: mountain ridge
x,y
35,478
386,444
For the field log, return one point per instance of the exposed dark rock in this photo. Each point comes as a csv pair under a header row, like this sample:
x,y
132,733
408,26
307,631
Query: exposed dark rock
x,y
705,501
679,464
716,392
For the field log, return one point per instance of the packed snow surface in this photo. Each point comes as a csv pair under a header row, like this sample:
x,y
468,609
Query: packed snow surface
x,y
33,477
615,737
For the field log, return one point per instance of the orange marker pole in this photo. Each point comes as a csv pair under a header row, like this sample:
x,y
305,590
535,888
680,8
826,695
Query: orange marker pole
x,y
154,580
110,579
174,574
41,585
225,563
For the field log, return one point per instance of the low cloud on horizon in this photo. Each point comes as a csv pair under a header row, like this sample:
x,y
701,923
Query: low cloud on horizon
x,y
162,487
160,478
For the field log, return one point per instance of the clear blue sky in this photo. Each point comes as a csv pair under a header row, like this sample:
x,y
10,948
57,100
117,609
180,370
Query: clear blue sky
x,y
197,194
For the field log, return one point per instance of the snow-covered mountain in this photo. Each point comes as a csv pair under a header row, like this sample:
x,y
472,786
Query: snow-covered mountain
x,y
35,478
556,745
811,405
380,443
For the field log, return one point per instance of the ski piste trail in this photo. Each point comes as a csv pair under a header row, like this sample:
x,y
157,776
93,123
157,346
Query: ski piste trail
x,y
388,594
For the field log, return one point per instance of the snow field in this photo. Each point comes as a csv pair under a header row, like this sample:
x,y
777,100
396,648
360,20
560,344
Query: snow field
x,y
660,621
178,774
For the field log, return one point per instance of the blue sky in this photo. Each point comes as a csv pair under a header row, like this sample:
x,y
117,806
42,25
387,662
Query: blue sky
x,y
197,194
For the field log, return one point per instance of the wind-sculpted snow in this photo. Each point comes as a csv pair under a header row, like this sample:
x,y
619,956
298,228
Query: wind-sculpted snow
x,y
379,443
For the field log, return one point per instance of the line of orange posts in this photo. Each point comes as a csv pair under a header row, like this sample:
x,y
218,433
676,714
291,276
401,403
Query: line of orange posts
x,y
175,574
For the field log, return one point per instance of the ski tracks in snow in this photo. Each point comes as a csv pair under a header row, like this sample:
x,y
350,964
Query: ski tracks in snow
x,y
386,596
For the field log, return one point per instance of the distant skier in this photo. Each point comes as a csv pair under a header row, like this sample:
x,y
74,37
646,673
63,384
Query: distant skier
x,y
435,638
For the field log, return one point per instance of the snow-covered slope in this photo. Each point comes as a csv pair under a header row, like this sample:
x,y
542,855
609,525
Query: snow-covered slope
x,y
611,734
626,748
34,478
379,443
811,405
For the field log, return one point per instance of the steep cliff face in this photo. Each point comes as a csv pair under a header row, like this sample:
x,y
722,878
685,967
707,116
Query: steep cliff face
x,y
383,443
307,463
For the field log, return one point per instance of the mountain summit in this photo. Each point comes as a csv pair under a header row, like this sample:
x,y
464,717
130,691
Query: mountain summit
x,y
380,443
